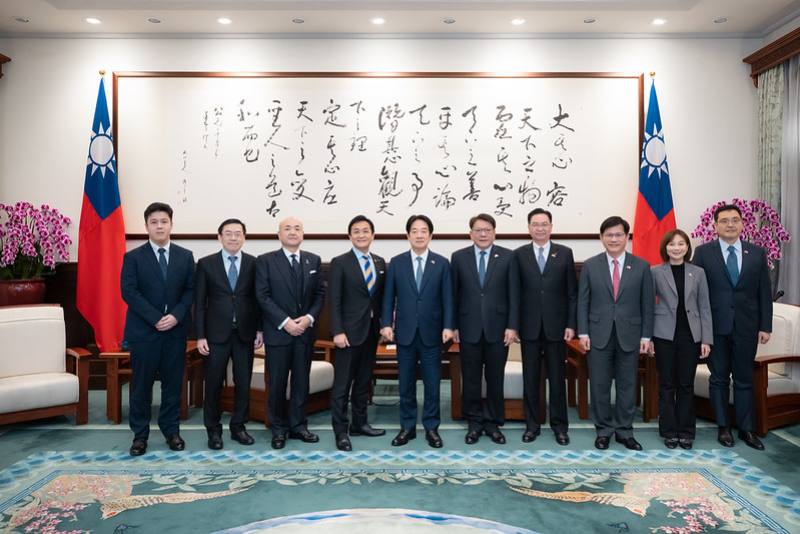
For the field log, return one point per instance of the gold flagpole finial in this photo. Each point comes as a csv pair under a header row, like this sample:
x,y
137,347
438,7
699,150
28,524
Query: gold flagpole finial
x,y
652,74
102,72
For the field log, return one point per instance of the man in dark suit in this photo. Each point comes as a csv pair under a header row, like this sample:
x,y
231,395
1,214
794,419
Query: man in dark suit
x,y
615,323
741,311
356,292
548,303
157,283
228,328
486,297
419,296
290,291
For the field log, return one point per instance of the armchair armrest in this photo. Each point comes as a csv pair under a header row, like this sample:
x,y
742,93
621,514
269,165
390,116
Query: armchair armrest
x,y
78,364
326,347
78,352
775,358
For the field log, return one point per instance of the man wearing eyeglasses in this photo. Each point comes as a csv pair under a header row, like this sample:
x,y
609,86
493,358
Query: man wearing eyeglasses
x,y
616,299
486,297
228,329
741,311
548,300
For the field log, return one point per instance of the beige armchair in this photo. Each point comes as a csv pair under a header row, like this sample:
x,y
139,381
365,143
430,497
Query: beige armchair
x,y
776,380
39,377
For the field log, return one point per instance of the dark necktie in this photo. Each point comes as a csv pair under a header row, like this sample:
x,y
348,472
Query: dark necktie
x,y
615,279
732,265
298,277
418,275
162,262
482,268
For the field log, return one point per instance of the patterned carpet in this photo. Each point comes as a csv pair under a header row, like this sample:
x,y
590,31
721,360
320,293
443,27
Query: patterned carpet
x,y
394,491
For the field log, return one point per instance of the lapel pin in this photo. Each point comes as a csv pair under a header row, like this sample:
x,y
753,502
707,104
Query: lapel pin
x,y
553,255
690,275
497,255
628,267
433,262
747,252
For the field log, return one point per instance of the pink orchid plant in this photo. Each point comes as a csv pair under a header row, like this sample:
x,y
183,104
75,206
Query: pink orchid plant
x,y
762,226
31,240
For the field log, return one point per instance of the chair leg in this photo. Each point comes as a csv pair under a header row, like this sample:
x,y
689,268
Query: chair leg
x,y
760,400
113,392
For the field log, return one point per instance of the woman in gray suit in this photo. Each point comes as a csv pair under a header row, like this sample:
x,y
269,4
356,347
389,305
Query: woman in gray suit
x,y
681,333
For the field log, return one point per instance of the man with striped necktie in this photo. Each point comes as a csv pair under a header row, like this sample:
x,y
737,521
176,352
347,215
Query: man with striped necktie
x,y
356,293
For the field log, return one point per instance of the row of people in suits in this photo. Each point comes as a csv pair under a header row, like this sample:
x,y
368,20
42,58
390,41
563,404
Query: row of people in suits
x,y
487,299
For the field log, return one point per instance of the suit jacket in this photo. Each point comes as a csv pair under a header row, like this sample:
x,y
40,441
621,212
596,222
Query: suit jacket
x,y
548,298
354,311
631,313
216,303
695,296
746,307
149,297
277,295
430,309
487,310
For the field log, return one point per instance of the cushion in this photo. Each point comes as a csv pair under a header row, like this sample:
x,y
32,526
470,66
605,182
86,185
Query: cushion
x,y
32,340
512,382
41,390
777,384
320,377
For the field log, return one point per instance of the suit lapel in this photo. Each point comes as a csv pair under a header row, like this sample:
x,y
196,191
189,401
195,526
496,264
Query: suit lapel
x,y
222,272
473,267
607,274
357,271
719,257
305,268
282,265
747,262
666,272
490,267
426,274
551,258
150,258
624,275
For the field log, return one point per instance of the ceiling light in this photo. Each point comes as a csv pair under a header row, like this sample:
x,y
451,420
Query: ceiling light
x,y
518,22
589,20
378,21
720,20
153,20
449,20
659,22
23,20
92,20
298,21
224,20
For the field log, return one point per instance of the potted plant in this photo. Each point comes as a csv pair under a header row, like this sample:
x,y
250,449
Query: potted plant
x,y
31,241
762,226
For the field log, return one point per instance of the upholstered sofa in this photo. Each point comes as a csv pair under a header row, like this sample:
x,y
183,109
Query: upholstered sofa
x,y
39,376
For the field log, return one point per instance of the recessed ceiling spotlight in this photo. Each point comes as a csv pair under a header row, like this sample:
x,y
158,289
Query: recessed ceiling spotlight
x,y
153,20
659,22
224,20
378,21
518,22
23,20
449,20
298,20
92,20
589,20
720,20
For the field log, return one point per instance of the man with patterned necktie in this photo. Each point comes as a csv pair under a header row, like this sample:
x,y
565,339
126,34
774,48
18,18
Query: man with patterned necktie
x,y
227,321
356,293
741,311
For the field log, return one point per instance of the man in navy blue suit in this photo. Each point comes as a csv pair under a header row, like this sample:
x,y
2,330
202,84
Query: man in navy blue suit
x,y
741,312
419,295
157,283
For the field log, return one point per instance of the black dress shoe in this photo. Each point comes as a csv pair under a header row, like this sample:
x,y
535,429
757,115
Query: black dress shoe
x,y
497,437
630,443
529,435
403,437
434,440
138,447
304,436
671,443
751,440
562,438
366,430
724,437
215,442
343,443
278,441
242,437
601,442
472,437
685,443
176,443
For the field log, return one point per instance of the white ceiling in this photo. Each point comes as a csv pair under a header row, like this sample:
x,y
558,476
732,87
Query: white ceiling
x,y
750,18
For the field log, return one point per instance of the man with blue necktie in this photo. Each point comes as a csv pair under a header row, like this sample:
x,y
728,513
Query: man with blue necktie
x,y
741,311
419,296
356,292
228,326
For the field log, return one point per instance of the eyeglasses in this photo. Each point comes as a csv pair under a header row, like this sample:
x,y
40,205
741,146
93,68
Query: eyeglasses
x,y
539,225
232,235
483,230
726,222
616,235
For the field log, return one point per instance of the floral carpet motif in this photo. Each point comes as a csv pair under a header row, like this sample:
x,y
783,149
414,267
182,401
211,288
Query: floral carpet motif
x,y
487,491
